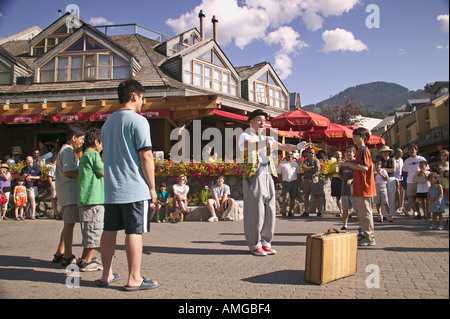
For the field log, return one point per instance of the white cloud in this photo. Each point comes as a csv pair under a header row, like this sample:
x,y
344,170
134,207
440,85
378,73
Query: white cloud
x,y
252,22
401,51
443,19
441,47
287,37
2,15
243,21
283,65
341,40
311,11
289,42
99,21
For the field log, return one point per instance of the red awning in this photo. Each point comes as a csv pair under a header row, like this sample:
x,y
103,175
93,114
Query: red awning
x,y
100,116
103,116
21,118
243,118
71,117
230,116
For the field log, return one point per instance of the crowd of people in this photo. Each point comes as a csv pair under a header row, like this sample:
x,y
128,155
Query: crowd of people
x,y
401,187
94,190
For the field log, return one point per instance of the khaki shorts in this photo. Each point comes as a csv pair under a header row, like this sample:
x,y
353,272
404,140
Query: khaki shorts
x,y
311,186
411,189
91,222
70,214
382,195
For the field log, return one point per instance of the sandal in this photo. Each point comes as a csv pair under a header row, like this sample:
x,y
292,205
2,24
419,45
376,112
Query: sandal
x,y
67,261
116,277
146,285
57,259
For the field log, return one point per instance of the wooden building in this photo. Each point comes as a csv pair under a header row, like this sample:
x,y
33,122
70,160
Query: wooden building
x,y
69,75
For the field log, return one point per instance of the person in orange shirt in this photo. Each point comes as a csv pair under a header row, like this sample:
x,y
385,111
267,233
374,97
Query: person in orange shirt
x,y
363,185
20,198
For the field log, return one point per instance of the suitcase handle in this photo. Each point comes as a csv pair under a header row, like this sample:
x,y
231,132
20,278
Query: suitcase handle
x,y
332,230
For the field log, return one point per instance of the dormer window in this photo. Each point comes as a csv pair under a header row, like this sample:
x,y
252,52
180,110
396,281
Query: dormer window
x,y
177,47
101,66
5,74
265,90
85,59
51,40
210,72
174,48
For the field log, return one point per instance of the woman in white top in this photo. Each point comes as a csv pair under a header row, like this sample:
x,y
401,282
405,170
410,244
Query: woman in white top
x,y
180,191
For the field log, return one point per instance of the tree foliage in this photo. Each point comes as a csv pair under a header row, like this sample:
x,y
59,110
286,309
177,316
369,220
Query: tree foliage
x,y
343,115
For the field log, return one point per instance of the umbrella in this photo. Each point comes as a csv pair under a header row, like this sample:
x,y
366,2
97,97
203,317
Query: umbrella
x,y
375,141
334,135
300,120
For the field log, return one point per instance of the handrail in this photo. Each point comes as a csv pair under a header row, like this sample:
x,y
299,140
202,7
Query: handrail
x,y
161,37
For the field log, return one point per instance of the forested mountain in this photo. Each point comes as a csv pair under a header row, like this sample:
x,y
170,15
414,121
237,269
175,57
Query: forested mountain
x,y
376,99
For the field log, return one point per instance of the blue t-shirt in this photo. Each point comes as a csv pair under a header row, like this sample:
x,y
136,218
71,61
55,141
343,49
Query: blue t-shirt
x,y
163,196
124,135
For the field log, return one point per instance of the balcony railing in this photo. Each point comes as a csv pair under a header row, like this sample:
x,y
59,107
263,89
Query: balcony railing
x,y
433,136
132,28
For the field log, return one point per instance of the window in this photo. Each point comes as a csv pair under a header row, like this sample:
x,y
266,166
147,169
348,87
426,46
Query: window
x,y
63,68
208,71
180,46
48,72
76,70
52,40
5,74
85,43
84,67
264,90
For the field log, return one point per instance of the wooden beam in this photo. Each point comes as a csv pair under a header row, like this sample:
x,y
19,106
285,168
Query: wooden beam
x,y
191,114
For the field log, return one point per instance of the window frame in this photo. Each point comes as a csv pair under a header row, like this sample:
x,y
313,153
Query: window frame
x,y
8,72
264,96
85,55
190,74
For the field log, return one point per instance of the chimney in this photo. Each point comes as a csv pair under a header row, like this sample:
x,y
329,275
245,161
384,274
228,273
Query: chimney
x,y
201,15
214,22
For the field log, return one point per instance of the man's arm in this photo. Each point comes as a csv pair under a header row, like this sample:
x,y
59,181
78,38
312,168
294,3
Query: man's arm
x,y
359,167
148,169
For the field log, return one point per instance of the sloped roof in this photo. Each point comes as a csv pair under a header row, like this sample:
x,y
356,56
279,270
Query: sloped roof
x,y
247,71
387,121
14,59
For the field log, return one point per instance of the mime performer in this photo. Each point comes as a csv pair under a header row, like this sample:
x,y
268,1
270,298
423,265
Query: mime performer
x,y
258,185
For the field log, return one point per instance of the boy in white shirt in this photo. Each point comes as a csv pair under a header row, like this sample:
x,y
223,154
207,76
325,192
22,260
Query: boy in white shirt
x,y
381,177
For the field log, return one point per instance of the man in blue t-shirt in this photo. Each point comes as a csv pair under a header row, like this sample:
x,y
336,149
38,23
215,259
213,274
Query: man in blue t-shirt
x,y
129,184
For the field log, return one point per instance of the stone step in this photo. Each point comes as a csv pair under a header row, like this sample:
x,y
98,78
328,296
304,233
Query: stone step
x,y
201,213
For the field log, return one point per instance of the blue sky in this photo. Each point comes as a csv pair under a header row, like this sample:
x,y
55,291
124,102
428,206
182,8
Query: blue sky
x,y
318,47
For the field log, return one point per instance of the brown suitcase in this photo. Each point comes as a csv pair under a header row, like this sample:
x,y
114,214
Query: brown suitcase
x,y
330,256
